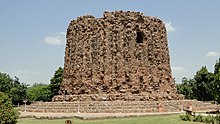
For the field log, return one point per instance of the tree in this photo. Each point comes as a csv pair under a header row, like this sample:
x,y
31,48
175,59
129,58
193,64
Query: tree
x,y
5,83
216,82
43,92
56,81
217,67
8,114
39,92
186,88
18,91
203,85
13,88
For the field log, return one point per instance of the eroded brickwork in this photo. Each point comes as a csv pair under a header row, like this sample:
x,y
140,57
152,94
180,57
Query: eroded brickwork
x,y
120,53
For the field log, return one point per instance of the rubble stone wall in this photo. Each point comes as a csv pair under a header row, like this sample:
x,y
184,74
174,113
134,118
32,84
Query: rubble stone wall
x,y
120,53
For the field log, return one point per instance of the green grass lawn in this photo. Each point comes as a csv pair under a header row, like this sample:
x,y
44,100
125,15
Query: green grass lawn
x,y
165,119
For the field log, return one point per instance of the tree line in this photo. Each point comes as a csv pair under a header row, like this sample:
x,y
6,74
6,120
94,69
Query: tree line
x,y
18,92
204,86
45,92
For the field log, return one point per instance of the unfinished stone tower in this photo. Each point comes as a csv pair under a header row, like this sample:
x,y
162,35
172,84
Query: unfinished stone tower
x,y
121,56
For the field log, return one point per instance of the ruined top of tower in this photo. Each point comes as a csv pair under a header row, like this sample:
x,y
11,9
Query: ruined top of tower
x,y
120,54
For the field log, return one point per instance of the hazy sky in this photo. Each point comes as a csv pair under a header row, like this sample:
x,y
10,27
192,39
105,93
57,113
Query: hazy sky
x,y
32,33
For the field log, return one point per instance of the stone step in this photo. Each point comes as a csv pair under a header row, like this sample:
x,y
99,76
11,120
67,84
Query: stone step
x,y
118,106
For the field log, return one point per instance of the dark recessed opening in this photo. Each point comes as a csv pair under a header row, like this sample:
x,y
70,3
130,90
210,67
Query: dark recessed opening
x,y
140,37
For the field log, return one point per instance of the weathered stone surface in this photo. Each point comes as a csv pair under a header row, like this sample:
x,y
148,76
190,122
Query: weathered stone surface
x,y
124,53
118,106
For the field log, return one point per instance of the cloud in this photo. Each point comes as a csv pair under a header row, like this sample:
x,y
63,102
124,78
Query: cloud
x,y
56,39
169,27
213,54
178,69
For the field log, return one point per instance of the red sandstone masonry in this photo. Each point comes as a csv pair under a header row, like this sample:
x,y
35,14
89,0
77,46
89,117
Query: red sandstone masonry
x,y
120,53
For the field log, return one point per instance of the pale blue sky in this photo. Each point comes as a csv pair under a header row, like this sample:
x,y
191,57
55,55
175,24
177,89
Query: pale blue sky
x,y
32,33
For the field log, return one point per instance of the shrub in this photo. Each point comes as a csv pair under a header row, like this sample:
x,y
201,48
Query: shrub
x,y
186,117
198,118
209,119
217,118
8,114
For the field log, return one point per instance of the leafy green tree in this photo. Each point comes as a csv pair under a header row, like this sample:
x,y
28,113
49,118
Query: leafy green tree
x,y
8,114
5,83
216,82
186,88
13,88
217,67
202,87
18,91
39,92
43,92
56,81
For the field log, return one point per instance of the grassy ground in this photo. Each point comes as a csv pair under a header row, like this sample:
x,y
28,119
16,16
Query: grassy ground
x,y
168,119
